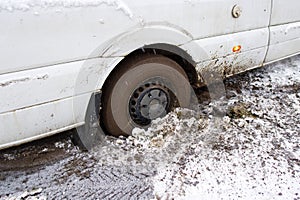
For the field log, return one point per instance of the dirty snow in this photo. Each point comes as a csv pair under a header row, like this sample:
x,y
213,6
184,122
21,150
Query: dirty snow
x,y
25,5
292,27
251,153
252,157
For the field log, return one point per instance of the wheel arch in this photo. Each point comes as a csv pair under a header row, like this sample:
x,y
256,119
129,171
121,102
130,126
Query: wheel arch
x,y
158,38
173,52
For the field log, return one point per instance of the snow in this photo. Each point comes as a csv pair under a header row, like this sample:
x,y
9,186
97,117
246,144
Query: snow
x,y
248,172
25,5
255,160
29,195
291,27
200,156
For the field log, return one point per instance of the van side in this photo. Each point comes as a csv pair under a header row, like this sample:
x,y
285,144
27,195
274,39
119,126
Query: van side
x,y
56,55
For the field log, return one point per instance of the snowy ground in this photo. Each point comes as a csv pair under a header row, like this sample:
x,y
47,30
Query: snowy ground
x,y
246,146
251,153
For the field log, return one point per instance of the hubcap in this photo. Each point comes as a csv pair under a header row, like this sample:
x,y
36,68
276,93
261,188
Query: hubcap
x,y
149,101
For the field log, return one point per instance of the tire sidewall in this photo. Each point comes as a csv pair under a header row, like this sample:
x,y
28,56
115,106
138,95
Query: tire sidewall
x,y
166,70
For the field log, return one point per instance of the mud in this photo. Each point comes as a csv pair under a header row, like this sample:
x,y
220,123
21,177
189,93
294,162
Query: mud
x,y
249,150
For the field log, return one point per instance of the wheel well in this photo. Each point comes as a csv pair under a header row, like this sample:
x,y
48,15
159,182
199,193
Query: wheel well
x,y
179,56
174,53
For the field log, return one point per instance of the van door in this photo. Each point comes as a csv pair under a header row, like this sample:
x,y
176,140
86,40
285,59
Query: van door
x,y
284,30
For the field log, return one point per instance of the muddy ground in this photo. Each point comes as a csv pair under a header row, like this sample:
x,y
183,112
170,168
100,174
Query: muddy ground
x,y
244,146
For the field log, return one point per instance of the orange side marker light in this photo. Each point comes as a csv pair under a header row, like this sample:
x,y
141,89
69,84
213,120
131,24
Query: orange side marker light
x,y
237,48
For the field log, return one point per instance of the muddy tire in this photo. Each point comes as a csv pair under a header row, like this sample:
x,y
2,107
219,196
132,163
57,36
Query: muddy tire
x,y
140,90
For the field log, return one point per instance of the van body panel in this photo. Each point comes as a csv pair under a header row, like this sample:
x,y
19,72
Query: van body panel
x,y
56,54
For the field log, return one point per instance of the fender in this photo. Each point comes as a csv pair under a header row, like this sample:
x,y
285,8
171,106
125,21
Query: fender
x,y
108,55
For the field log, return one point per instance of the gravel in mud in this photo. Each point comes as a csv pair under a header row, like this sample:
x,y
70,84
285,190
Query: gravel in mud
x,y
244,146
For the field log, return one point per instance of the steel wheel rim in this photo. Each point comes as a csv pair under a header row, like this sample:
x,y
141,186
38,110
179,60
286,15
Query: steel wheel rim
x,y
149,101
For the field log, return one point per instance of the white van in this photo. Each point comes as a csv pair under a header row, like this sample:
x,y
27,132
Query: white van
x,y
127,61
